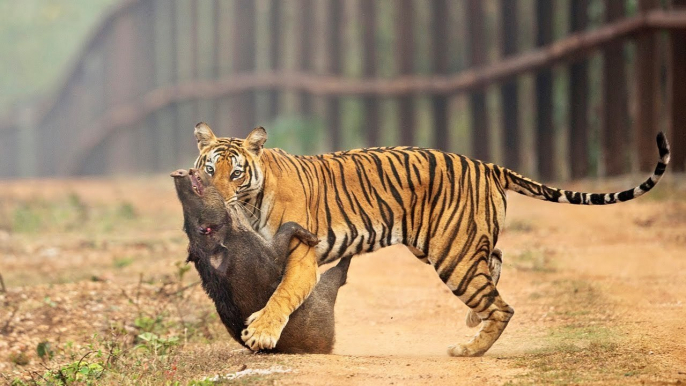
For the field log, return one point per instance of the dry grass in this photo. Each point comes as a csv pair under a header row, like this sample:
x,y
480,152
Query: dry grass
x,y
97,293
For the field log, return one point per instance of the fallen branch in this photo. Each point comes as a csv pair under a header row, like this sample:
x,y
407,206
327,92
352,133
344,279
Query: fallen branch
x,y
182,289
5,328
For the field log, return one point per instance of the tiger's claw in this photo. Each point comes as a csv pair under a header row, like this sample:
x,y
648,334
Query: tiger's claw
x,y
262,332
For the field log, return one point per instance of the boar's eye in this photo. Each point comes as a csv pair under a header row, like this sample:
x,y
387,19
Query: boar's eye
x,y
209,229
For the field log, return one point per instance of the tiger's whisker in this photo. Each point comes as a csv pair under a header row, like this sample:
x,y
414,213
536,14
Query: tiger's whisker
x,y
251,212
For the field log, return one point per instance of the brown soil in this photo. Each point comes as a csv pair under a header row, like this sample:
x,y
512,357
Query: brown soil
x,y
599,294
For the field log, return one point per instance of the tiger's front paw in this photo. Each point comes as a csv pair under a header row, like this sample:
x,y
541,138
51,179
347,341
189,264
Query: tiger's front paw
x,y
263,330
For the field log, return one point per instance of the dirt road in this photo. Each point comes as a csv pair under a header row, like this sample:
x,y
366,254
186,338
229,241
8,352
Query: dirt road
x,y
599,295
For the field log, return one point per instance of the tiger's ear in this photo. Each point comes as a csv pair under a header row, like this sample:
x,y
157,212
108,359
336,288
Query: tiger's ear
x,y
204,135
255,140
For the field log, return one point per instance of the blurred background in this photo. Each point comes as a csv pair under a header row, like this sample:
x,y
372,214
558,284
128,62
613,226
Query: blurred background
x,y
555,89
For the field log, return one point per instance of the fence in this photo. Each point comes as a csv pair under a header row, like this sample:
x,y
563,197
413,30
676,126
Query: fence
x,y
154,68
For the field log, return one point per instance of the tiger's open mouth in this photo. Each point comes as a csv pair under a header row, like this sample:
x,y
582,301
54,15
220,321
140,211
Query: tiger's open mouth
x,y
196,182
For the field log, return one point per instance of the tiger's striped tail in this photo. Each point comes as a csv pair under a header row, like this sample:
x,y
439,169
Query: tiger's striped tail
x,y
522,185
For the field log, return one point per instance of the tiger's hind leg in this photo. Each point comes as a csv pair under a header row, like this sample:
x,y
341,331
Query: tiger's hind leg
x,y
495,263
470,280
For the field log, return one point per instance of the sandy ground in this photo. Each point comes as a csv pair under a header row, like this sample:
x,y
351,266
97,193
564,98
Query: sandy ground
x,y
599,295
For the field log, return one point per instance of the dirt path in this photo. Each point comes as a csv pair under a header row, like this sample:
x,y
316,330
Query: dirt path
x,y
599,294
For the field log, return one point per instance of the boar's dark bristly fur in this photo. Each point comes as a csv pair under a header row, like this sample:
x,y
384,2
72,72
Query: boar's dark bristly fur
x,y
249,268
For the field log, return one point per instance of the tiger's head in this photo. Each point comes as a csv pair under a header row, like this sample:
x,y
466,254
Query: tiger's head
x,y
233,164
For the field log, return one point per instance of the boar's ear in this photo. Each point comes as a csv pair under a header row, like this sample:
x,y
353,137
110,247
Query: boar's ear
x,y
254,143
204,135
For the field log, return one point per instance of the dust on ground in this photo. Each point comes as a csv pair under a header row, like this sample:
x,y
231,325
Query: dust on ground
x,y
97,293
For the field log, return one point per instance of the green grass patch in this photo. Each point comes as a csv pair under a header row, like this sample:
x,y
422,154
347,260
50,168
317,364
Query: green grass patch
x,y
161,340
581,336
65,214
521,226
585,348
123,262
576,354
533,260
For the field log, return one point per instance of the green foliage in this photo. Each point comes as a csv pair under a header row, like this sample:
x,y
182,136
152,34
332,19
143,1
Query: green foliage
x,y
44,351
181,269
354,127
67,213
123,262
204,382
80,372
26,218
77,206
153,353
49,302
126,211
298,134
148,324
156,344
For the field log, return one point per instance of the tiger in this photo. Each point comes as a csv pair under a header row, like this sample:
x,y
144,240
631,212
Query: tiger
x,y
448,209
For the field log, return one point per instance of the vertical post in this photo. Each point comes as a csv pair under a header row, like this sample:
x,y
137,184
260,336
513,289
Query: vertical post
x,y
647,88
185,71
544,94
122,86
477,42
78,115
53,130
223,123
405,60
509,90
9,150
578,97
243,34
145,82
96,95
195,58
370,102
333,103
26,142
165,48
216,47
274,54
614,93
307,25
677,94
206,59
439,34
